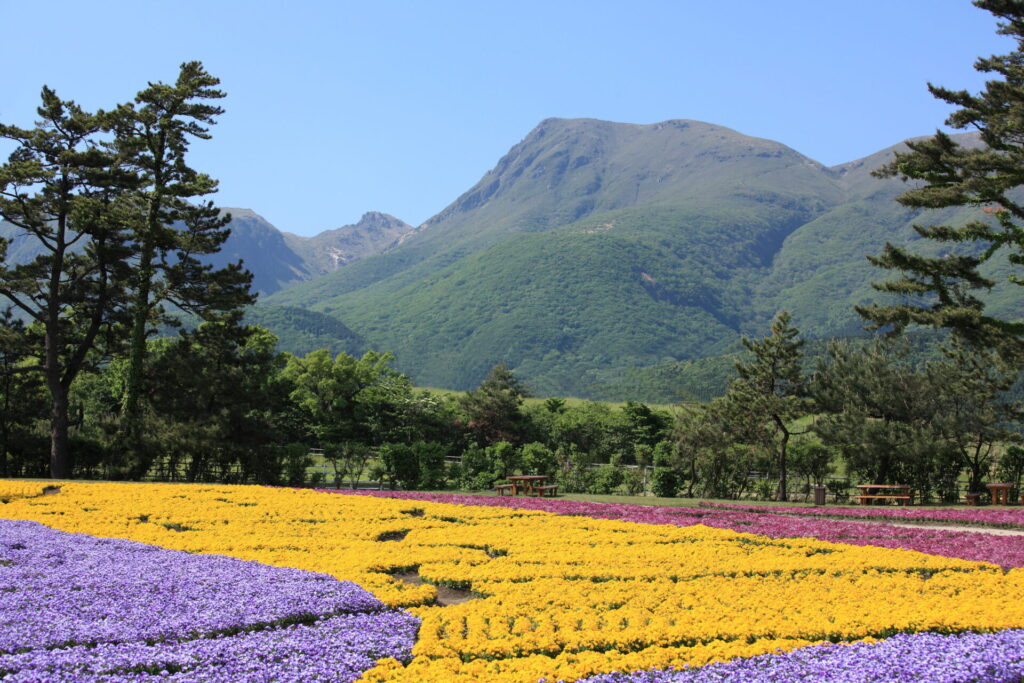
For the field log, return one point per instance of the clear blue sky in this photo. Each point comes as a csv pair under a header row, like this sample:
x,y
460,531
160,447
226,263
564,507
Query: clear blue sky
x,y
337,108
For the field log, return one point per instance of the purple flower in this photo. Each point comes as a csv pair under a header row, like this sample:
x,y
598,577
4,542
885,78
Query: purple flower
x,y
979,657
79,608
338,648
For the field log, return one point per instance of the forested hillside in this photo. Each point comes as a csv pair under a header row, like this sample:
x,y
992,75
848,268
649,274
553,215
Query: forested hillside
x,y
595,249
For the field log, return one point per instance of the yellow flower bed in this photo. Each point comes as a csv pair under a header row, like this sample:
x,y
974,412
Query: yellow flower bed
x,y
14,489
561,597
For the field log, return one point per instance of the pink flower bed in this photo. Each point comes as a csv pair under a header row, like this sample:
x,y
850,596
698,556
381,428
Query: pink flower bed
x,y
1010,517
1007,551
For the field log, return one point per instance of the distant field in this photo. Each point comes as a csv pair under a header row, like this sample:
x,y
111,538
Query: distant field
x,y
569,401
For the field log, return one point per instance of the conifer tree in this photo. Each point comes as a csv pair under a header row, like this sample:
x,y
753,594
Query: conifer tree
x,y
493,410
62,189
942,291
170,229
768,394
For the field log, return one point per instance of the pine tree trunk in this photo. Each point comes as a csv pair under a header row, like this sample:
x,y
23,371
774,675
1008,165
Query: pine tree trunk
x,y
782,496
130,413
60,457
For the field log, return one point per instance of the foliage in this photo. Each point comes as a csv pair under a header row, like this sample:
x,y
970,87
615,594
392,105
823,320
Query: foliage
x,y
22,403
60,188
215,395
538,459
941,290
812,460
767,394
664,482
1011,468
493,410
169,230
950,416
606,479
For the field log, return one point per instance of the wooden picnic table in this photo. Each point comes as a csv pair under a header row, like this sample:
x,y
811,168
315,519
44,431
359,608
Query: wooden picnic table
x,y
527,481
898,492
1000,493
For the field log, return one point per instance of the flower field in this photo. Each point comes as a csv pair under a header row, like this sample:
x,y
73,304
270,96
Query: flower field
x,y
556,596
1007,551
996,516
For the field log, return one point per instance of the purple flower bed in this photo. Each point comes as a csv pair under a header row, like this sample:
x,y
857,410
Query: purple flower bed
x,y
76,608
990,516
990,657
335,649
1007,551
60,588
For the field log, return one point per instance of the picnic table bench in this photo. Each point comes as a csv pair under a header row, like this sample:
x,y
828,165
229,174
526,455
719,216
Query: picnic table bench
x,y
899,492
550,490
527,484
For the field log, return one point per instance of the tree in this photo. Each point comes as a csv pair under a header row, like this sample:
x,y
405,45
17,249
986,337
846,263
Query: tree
x,y
941,291
974,416
152,138
350,404
768,394
62,189
215,392
881,416
493,410
22,402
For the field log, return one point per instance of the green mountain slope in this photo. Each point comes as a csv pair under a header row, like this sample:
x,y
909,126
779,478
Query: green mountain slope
x,y
591,245
300,331
568,169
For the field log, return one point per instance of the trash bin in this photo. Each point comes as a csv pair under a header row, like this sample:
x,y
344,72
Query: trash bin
x,y
819,495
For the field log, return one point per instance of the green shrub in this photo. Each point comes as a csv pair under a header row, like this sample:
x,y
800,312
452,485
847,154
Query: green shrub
x,y
605,479
538,459
664,483
634,480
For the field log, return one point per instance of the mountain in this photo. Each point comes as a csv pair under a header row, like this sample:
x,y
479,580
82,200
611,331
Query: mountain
x,y
590,244
279,259
593,249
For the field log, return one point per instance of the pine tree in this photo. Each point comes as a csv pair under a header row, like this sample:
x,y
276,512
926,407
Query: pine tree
x,y
152,138
768,394
493,411
942,291
61,188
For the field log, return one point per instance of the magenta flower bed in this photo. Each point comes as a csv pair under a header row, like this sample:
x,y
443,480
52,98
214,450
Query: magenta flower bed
x,y
991,516
1007,551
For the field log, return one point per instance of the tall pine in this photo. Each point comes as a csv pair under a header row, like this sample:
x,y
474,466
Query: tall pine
x,y
942,291
63,190
769,393
170,228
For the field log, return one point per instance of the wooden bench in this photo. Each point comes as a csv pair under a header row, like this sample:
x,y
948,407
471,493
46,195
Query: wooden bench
x,y
551,490
864,498
901,493
502,488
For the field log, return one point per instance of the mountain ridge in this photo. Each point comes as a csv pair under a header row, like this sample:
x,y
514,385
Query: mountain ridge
x,y
594,245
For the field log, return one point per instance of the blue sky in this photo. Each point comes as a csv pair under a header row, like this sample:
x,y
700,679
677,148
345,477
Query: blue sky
x,y
337,108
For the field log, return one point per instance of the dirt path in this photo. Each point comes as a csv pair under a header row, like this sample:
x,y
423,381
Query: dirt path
x,y
995,531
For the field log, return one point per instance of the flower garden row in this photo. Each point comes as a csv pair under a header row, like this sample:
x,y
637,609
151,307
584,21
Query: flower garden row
x,y
560,596
1007,551
1008,517
76,607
